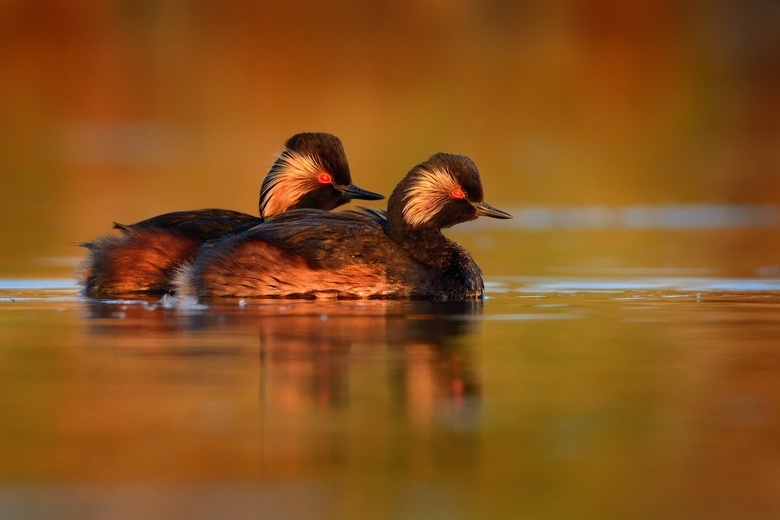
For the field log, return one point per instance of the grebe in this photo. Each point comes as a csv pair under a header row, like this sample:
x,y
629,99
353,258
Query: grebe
x,y
310,253
311,172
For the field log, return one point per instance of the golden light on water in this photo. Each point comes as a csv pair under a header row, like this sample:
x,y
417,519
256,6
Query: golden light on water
x,y
624,364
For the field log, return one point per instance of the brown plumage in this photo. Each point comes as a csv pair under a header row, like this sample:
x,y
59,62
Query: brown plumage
x,y
311,253
311,172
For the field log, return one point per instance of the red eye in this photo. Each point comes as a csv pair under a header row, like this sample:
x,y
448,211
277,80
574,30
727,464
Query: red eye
x,y
458,193
325,178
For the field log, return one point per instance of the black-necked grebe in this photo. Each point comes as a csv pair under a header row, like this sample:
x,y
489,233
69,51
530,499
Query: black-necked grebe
x,y
311,172
311,253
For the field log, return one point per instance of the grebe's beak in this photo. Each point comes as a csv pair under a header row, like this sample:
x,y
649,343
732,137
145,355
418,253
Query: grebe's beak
x,y
353,192
486,210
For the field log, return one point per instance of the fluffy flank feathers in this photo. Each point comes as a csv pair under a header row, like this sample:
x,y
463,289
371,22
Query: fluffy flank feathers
x,y
183,282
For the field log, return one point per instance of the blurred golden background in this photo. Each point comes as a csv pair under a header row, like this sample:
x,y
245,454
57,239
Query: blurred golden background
x,y
118,110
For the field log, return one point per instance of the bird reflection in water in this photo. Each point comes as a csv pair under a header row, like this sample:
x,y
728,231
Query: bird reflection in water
x,y
326,359
319,355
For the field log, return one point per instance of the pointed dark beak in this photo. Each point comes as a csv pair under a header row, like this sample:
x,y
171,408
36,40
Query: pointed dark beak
x,y
353,192
486,210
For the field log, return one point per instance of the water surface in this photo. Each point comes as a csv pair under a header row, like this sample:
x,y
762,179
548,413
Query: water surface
x,y
632,397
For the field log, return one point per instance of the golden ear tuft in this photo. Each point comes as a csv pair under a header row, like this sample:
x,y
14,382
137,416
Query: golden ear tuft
x,y
428,193
293,176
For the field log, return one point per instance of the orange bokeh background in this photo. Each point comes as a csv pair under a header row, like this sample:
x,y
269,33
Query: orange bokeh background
x,y
120,110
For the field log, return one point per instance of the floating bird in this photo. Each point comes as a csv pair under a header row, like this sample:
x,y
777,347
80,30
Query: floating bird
x,y
311,172
311,253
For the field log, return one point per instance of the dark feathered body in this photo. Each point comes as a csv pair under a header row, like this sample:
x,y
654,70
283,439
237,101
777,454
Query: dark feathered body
x,y
309,253
204,224
143,258
312,171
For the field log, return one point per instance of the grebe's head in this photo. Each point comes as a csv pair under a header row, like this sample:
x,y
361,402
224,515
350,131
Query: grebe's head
x,y
311,172
443,191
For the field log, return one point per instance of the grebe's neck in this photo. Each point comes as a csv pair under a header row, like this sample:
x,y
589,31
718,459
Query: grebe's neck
x,y
452,272
426,245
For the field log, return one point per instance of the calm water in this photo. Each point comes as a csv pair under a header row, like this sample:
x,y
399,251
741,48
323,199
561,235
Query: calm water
x,y
556,398
635,374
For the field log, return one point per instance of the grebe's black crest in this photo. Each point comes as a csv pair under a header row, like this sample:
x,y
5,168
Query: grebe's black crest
x,y
311,172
